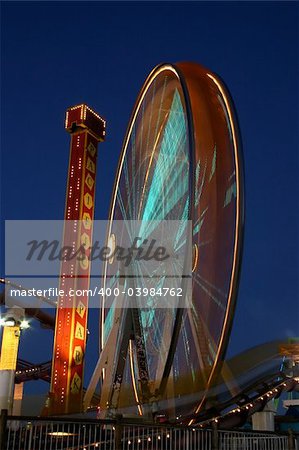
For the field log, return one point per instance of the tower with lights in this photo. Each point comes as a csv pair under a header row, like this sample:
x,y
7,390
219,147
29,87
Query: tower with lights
x,y
87,129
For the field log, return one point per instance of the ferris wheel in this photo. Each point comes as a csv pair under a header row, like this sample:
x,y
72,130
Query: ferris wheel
x,y
180,162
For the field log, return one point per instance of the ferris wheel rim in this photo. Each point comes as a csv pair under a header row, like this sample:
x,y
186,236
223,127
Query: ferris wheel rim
x,y
179,73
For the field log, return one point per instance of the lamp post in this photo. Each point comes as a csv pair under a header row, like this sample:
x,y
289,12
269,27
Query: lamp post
x,y
12,322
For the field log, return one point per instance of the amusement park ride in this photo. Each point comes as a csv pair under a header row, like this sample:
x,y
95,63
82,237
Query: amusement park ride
x,y
181,160
87,129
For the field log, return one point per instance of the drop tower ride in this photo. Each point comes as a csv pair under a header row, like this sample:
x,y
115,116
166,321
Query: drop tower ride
x,y
87,129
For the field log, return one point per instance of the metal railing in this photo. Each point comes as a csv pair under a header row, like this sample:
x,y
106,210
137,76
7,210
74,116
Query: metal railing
x,y
234,440
166,438
28,433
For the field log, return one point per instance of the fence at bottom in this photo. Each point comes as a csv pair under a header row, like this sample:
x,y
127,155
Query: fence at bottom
x,y
28,433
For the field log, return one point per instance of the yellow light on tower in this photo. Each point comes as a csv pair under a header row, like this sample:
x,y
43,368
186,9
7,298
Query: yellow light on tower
x,y
13,322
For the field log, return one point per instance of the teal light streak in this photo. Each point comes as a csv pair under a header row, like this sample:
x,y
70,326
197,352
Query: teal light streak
x,y
169,182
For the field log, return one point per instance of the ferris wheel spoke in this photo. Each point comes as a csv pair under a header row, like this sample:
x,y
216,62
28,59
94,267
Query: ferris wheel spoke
x,y
149,127
133,171
200,187
128,188
158,121
157,209
204,338
212,286
209,293
169,148
200,219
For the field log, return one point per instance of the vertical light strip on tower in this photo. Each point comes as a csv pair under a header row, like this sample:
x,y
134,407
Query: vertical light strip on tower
x,y
8,364
87,129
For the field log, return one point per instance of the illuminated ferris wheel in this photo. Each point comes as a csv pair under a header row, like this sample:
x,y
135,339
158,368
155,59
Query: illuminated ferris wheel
x,y
180,162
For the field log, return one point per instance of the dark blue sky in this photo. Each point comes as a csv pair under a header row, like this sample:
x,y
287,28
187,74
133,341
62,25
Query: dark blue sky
x,y
55,55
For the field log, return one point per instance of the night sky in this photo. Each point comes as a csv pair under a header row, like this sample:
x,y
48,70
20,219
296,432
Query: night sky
x,y
55,55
